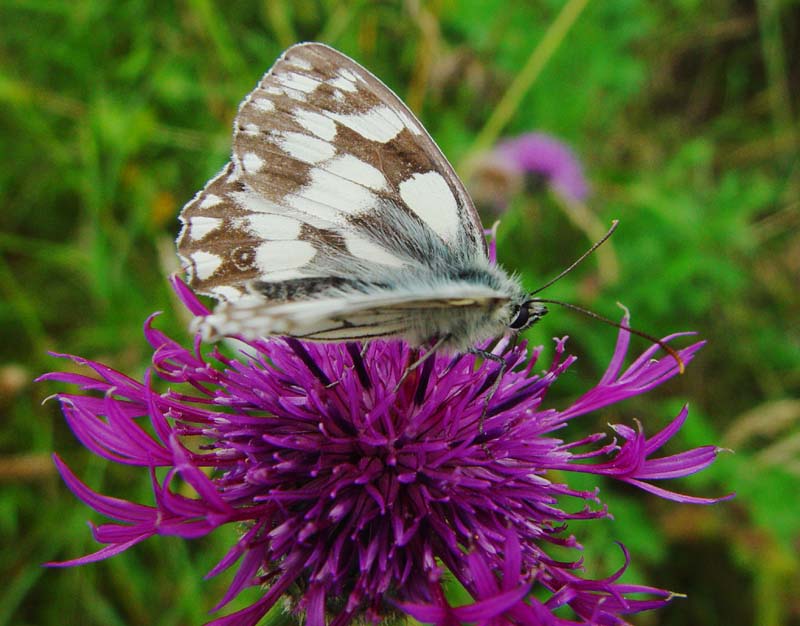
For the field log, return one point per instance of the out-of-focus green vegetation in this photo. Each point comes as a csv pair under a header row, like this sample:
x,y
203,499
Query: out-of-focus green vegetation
x,y
684,113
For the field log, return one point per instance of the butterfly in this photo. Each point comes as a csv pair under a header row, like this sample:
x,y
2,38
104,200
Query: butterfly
x,y
339,219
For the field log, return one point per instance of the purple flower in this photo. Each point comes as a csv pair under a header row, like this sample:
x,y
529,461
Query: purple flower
x,y
538,153
502,172
357,494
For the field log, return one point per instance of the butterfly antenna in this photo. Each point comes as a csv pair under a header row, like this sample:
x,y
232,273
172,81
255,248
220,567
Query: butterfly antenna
x,y
594,247
664,346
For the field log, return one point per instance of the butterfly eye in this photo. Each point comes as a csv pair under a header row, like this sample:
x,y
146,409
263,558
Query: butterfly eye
x,y
520,321
528,314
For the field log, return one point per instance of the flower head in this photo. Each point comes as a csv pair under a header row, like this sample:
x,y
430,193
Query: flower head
x,y
359,484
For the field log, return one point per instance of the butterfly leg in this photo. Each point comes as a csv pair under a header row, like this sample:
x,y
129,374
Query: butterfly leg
x,y
498,377
438,344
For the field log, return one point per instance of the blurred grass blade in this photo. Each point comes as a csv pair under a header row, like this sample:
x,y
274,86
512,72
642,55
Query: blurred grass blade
x,y
509,103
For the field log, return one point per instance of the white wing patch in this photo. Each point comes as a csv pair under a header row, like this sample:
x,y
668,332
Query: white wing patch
x,y
377,124
226,292
200,226
316,123
299,82
253,202
205,264
306,148
210,200
410,123
274,256
430,197
330,197
252,163
264,104
340,82
300,62
270,226
355,170
279,276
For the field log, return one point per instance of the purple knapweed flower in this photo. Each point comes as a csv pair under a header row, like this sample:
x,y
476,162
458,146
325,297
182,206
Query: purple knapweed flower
x,y
502,172
360,485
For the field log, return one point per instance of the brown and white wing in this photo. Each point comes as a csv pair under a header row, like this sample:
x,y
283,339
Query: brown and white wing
x,y
332,177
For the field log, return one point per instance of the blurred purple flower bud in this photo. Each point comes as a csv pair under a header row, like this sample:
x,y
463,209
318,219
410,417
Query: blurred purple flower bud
x,y
503,172
546,156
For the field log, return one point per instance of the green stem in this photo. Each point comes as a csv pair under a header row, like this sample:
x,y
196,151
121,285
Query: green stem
x,y
774,57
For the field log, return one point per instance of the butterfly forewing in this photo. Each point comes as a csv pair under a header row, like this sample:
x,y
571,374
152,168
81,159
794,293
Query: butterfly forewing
x,y
328,165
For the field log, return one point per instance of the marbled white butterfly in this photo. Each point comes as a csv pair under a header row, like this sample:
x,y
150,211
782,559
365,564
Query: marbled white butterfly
x,y
338,218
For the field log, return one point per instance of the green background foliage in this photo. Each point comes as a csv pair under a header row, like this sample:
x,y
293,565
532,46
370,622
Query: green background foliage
x,y
684,113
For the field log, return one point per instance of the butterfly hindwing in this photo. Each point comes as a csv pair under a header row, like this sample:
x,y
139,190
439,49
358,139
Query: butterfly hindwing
x,y
415,313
